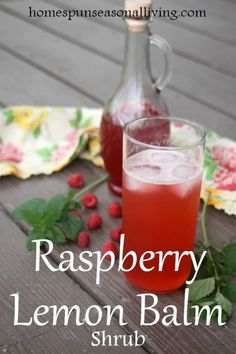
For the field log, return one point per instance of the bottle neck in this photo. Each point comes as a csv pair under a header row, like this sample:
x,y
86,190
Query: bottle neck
x,y
136,62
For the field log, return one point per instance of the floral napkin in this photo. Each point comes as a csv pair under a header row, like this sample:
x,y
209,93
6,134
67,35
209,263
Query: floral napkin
x,y
219,179
35,140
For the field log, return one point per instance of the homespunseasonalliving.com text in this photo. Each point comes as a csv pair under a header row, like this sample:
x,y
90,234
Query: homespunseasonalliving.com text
x,y
71,14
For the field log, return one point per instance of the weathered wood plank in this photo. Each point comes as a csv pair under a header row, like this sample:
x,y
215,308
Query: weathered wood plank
x,y
37,288
113,288
215,25
230,1
22,84
196,81
67,68
215,8
207,51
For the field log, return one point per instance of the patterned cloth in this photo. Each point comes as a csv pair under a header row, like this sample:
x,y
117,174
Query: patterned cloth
x,y
220,173
35,140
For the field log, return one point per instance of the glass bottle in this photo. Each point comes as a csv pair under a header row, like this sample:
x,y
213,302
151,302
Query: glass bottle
x,y
137,95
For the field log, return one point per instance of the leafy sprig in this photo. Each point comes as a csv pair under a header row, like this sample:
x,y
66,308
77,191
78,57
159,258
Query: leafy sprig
x,y
214,283
52,219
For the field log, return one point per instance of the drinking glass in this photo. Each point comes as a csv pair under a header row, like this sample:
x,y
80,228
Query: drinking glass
x,y
162,175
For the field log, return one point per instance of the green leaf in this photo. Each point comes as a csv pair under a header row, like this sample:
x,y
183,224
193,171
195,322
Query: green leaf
x,y
55,206
212,304
70,203
80,121
35,204
75,123
229,259
211,134
1,140
78,113
225,304
206,270
55,235
33,235
229,291
222,281
201,288
80,147
215,315
8,113
207,156
74,205
37,132
70,195
206,303
85,123
218,257
211,168
210,164
46,153
207,152
224,317
71,226
31,211
30,246
82,143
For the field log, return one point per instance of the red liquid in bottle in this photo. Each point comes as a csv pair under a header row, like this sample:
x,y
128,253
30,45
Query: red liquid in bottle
x,y
111,134
111,137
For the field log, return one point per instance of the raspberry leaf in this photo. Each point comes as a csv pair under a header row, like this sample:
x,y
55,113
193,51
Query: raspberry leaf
x,y
33,235
229,259
70,202
229,291
224,303
207,303
201,288
31,211
71,226
55,206
51,219
55,235
213,285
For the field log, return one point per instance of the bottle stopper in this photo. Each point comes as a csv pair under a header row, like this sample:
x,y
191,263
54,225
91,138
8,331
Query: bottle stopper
x,y
138,13
138,8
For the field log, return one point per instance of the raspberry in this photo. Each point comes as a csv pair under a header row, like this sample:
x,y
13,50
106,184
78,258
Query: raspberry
x,y
83,239
94,221
114,209
115,233
75,181
110,246
75,212
89,201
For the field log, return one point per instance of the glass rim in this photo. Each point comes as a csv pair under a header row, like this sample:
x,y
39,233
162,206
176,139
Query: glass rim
x,y
194,125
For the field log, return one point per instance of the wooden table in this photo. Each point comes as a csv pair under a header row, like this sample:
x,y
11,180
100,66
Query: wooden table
x,y
70,63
